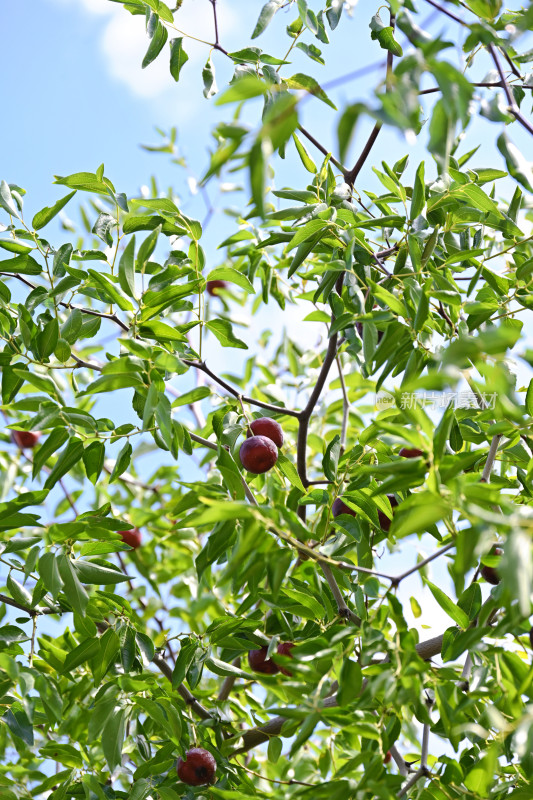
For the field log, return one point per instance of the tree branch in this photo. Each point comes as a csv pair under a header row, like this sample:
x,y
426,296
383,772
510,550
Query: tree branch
x,y
491,457
256,736
91,311
423,563
447,13
32,612
189,698
413,779
513,108
201,365
344,611
228,683
305,414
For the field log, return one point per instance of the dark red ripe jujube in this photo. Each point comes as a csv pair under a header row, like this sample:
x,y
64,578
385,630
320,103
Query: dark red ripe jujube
x,y
388,756
260,663
491,574
267,427
25,439
384,521
410,452
131,537
213,287
340,507
258,454
197,768
284,649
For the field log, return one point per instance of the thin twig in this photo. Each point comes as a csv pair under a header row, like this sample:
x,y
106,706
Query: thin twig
x,y
91,311
489,463
305,414
423,563
421,773
351,175
513,108
32,612
217,44
344,611
399,760
201,365
447,13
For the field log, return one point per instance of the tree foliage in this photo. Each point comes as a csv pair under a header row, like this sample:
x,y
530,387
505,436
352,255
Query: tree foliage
x,y
115,660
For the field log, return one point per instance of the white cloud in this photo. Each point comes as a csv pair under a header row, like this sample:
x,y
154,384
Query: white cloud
x,y
123,42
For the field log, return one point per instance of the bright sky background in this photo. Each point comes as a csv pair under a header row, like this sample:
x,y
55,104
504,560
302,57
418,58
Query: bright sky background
x,y
74,95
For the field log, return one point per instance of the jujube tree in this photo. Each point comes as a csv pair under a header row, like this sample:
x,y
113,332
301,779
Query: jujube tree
x,y
240,616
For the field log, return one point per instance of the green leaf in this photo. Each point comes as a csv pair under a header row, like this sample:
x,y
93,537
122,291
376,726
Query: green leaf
x,y
22,265
519,167
76,594
192,397
183,662
470,600
384,34
178,57
46,339
67,459
306,83
418,199
275,746
83,652
51,445
113,737
334,12
306,159
310,229
6,200
488,9
93,460
157,43
126,269
122,463
208,77
442,432
223,331
46,214
267,12
85,181
91,573
453,611
19,725
529,398
233,276
49,572
18,592
110,290
243,89
331,458
288,469
108,383
259,155
350,682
